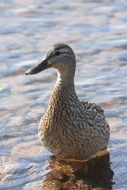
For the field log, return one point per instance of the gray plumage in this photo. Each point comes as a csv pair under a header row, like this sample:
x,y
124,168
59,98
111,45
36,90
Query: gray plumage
x,y
70,129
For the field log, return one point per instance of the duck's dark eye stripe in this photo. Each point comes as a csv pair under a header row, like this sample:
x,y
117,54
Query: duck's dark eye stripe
x,y
57,53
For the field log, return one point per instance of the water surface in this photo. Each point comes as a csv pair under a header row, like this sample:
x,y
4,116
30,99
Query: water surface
x,y
97,31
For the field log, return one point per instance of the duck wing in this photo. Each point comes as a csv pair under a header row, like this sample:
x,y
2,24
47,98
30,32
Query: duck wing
x,y
93,111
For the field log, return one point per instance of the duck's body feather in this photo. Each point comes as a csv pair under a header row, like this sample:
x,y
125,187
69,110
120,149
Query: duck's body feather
x,y
73,129
70,128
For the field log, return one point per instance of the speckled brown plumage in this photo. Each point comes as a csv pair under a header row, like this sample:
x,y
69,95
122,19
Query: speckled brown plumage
x,y
70,128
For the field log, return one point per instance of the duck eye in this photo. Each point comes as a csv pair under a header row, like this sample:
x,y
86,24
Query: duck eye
x,y
57,53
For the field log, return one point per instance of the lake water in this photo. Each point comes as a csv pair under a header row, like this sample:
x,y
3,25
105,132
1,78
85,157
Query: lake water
x,y
97,31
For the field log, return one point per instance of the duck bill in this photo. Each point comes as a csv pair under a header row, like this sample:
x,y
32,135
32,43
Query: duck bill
x,y
37,68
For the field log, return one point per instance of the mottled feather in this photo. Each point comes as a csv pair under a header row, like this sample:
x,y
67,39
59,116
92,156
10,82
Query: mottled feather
x,y
70,128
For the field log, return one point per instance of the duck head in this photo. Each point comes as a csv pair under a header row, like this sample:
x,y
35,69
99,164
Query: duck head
x,y
59,56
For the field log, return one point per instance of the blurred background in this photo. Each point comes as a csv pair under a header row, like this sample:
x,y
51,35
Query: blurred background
x,y
97,31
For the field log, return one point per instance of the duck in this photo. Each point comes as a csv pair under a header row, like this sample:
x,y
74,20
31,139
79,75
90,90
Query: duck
x,y
70,129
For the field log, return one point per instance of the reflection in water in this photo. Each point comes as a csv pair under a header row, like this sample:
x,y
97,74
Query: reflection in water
x,y
97,30
84,176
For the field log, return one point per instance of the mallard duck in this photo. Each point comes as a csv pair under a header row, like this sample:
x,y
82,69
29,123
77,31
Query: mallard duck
x,y
70,128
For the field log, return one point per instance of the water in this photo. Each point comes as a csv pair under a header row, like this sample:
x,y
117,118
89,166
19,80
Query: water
x,y
97,31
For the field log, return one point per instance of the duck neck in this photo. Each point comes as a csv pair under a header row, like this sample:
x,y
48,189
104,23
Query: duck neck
x,y
64,90
65,80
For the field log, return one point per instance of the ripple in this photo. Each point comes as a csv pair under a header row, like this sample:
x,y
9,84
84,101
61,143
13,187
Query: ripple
x,y
97,32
